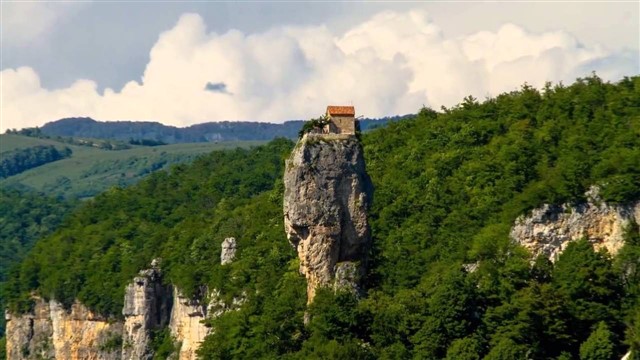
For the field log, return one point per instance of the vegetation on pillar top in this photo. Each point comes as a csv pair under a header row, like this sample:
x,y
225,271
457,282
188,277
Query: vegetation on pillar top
x,y
314,125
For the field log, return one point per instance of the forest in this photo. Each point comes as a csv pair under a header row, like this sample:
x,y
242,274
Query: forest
x,y
25,217
116,134
449,185
16,161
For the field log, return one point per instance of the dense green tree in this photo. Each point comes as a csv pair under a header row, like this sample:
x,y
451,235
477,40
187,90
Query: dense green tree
x,y
464,349
17,161
593,289
507,349
599,345
451,315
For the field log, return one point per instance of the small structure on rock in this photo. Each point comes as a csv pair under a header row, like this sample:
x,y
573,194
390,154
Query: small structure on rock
x,y
327,194
341,120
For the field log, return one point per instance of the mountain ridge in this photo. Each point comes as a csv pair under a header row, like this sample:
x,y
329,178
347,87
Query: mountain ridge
x,y
126,130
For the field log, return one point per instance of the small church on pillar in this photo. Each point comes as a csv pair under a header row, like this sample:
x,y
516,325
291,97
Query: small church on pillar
x,y
342,120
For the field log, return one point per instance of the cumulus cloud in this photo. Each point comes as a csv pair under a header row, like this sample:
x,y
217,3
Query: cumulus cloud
x,y
393,63
25,22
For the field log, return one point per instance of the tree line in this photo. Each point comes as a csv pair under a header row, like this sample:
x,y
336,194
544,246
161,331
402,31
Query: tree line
x,y
20,160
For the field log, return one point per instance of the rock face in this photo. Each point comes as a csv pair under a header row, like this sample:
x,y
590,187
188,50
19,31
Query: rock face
x,y
228,251
327,194
147,305
52,332
186,324
29,336
548,229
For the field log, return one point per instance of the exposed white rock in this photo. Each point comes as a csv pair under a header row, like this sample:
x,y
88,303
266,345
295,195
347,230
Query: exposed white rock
x,y
471,267
147,303
549,229
186,324
52,332
228,253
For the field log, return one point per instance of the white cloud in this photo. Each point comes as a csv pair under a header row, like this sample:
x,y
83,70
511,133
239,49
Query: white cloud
x,y
26,22
392,63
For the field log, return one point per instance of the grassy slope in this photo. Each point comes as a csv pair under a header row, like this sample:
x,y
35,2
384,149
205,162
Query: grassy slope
x,y
13,142
91,170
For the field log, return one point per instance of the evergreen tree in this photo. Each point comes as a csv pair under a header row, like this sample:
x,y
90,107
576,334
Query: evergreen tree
x,y
599,345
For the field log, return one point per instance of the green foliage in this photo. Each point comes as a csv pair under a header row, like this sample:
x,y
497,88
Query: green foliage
x,y
315,124
96,143
633,333
181,217
146,142
17,161
162,344
599,345
507,349
593,290
114,343
448,188
24,218
334,316
3,348
464,349
91,170
450,315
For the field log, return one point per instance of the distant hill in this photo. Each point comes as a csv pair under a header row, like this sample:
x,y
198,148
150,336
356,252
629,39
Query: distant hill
x,y
92,168
206,132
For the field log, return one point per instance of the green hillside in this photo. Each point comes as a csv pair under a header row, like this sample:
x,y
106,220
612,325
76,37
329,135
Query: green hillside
x,y
25,218
10,142
91,170
448,187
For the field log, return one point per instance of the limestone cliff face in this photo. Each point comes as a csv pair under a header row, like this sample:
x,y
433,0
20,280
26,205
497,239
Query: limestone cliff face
x,y
52,332
548,229
29,336
147,304
186,324
327,194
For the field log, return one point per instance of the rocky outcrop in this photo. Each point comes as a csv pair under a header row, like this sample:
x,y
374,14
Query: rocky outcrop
x,y
186,324
228,253
147,305
29,336
52,332
548,229
327,194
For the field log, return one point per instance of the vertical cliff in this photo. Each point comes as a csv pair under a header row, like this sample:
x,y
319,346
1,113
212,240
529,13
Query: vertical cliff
x,y
327,194
548,229
52,332
186,324
147,305
29,336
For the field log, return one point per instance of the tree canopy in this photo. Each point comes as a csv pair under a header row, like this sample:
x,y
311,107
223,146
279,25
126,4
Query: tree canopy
x,y
448,187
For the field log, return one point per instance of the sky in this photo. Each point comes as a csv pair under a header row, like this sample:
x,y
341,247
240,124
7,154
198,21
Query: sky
x,y
183,63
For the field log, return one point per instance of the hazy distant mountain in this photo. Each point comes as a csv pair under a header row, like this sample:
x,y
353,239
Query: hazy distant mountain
x,y
206,132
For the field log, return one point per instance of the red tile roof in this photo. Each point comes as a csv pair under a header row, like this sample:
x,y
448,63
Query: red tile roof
x,y
341,110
